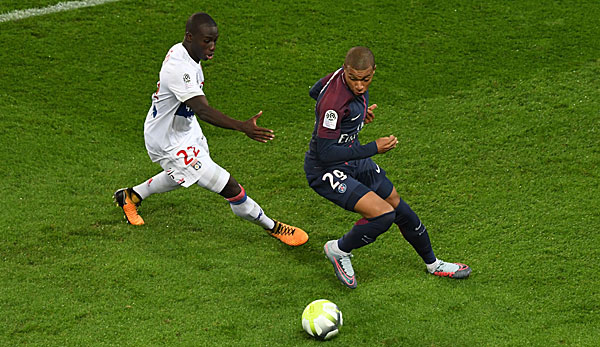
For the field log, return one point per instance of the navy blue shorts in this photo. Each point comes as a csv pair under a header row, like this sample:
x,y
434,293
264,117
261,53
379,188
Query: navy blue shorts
x,y
344,184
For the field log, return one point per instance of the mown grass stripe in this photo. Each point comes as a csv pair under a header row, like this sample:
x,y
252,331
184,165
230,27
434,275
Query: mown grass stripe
x,y
61,6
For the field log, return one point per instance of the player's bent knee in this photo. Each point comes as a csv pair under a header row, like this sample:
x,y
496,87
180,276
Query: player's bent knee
x,y
386,219
371,206
393,199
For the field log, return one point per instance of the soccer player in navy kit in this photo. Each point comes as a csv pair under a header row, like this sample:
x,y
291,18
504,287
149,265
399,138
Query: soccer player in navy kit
x,y
339,168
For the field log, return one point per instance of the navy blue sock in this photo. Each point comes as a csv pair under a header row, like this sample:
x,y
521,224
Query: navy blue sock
x,y
414,231
366,231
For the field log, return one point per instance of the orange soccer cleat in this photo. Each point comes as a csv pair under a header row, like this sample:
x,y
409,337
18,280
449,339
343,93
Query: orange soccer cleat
x,y
125,198
288,234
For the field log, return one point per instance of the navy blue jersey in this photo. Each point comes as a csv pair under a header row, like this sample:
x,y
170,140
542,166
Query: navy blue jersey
x,y
339,117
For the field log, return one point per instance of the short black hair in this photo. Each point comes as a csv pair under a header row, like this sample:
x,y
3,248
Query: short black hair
x,y
198,19
360,58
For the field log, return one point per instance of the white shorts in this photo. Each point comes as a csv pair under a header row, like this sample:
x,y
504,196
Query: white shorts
x,y
192,164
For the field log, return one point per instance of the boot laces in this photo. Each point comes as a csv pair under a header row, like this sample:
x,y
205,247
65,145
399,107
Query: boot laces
x,y
284,229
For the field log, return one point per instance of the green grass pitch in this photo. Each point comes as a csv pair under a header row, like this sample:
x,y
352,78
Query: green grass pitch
x,y
496,107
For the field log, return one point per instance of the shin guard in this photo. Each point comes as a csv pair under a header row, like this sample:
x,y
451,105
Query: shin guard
x,y
365,231
414,231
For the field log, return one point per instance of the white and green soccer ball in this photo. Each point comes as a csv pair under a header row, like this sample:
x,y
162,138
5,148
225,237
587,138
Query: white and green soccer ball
x,y
322,319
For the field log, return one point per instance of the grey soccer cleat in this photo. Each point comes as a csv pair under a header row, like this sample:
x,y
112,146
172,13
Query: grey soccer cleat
x,y
452,270
341,265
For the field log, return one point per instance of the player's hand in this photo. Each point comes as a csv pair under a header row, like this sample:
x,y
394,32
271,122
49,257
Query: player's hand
x,y
255,132
384,144
370,115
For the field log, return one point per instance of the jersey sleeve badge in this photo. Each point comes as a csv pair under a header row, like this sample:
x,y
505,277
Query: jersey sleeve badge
x,y
187,80
330,119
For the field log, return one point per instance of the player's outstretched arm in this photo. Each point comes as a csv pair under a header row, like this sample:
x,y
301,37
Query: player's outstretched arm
x,y
199,104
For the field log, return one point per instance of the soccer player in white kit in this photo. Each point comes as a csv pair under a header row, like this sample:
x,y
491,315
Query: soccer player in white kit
x,y
174,138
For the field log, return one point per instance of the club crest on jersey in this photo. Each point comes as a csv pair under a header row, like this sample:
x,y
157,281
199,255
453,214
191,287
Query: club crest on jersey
x,y
330,119
342,188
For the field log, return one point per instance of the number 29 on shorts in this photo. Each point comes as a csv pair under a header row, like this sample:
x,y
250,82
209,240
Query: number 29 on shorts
x,y
334,178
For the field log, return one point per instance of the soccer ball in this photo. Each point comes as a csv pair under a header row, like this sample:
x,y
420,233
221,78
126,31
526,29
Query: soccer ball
x,y
322,319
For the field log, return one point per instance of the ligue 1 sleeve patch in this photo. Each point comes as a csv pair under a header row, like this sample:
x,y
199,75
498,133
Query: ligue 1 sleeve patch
x,y
187,80
330,119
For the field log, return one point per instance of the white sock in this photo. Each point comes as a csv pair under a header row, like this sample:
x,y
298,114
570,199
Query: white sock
x,y
431,267
160,183
336,249
246,208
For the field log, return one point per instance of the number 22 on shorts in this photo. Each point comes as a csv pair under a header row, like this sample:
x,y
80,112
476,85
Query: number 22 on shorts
x,y
188,159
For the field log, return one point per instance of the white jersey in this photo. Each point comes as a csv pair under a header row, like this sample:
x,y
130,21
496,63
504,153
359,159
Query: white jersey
x,y
170,124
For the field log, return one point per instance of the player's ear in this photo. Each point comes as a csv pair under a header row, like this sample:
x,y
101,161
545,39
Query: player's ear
x,y
374,67
188,36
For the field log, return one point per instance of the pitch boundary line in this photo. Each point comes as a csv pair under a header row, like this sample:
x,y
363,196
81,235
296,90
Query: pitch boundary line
x,y
61,6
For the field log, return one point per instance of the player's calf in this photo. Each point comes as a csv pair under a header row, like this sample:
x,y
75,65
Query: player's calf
x,y
366,231
414,231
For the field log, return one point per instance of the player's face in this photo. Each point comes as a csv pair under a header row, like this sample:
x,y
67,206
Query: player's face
x,y
202,44
358,80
